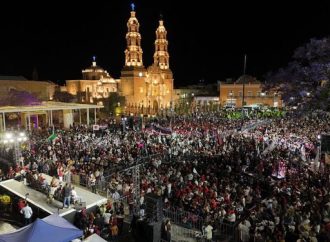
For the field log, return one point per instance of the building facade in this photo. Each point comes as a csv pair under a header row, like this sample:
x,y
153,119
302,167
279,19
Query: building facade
x,y
43,90
146,90
96,85
231,94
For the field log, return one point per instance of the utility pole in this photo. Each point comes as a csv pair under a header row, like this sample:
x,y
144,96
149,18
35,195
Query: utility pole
x,y
244,69
243,96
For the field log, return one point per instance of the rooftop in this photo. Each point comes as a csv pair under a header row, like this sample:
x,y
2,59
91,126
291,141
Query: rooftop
x,y
14,78
46,106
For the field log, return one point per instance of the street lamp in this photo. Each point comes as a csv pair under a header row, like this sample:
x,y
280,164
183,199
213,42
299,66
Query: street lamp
x,y
319,147
123,120
15,139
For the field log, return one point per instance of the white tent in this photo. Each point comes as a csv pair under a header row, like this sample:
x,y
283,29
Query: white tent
x,y
94,238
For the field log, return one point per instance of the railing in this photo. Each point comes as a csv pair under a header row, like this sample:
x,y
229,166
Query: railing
x,y
185,219
229,231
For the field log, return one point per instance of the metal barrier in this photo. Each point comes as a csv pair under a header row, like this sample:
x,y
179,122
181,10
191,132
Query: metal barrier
x,y
229,231
185,219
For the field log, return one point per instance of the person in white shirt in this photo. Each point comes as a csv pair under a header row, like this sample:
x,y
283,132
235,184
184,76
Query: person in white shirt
x,y
244,230
27,213
115,196
107,217
208,232
74,195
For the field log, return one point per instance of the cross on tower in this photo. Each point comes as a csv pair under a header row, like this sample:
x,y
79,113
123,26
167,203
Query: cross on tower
x,y
132,6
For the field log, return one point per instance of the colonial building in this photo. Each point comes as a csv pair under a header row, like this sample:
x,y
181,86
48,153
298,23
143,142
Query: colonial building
x,y
151,89
43,90
232,93
146,90
95,85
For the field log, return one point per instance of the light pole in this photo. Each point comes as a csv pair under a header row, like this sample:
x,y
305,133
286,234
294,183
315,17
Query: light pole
x,y
124,119
15,139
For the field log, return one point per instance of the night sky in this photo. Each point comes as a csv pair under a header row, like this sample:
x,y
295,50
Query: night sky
x,y
207,40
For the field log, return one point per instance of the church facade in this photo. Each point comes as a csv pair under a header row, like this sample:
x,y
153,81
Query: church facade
x,y
146,90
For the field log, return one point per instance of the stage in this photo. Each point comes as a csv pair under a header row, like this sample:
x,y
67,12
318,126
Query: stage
x,y
39,199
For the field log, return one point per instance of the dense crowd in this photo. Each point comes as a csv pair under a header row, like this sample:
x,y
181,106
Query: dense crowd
x,y
265,175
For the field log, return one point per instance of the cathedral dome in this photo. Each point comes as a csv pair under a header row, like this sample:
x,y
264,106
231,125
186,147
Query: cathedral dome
x,y
94,72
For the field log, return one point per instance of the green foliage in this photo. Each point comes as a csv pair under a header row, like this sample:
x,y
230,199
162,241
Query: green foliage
x,y
19,98
63,97
114,103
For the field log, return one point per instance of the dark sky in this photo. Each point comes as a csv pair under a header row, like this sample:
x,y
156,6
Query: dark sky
x,y
207,40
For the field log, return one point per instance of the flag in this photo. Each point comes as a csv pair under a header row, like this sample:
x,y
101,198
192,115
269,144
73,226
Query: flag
x,y
194,171
219,139
327,159
52,137
161,129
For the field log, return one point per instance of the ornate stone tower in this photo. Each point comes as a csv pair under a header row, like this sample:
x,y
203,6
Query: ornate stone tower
x,y
133,73
161,56
159,75
133,52
147,91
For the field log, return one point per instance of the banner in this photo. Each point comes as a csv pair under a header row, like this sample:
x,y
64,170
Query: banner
x,y
52,137
161,129
327,159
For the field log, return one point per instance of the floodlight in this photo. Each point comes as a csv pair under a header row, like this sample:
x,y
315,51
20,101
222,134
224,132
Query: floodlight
x,y
8,135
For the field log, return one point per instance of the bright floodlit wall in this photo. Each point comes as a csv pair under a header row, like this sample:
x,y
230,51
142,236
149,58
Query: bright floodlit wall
x,y
253,94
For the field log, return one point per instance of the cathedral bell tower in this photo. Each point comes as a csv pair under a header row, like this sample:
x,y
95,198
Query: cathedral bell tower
x,y
133,73
160,77
133,52
161,56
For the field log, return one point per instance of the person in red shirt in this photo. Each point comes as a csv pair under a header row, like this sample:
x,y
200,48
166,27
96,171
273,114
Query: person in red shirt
x,y
11,173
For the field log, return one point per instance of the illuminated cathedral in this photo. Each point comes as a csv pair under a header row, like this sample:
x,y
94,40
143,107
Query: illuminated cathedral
x,y
146,90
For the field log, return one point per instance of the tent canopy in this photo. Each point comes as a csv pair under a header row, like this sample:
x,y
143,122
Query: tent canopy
x,y
51,229
94,238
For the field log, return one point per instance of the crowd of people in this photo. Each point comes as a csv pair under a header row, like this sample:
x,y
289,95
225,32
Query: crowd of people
x,y
267,176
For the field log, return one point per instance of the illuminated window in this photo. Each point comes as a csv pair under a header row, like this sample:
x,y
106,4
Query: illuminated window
x,y
249,94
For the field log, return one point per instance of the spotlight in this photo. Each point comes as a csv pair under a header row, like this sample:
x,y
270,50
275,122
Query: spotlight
x,y
8,135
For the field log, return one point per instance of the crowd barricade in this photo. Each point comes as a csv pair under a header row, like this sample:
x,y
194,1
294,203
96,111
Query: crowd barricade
x,y
126,200
229,231
76,179
183,218
184,224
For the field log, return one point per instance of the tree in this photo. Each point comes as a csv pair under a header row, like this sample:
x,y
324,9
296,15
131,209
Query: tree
x,y
63,96
19,98
113,103
310,66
